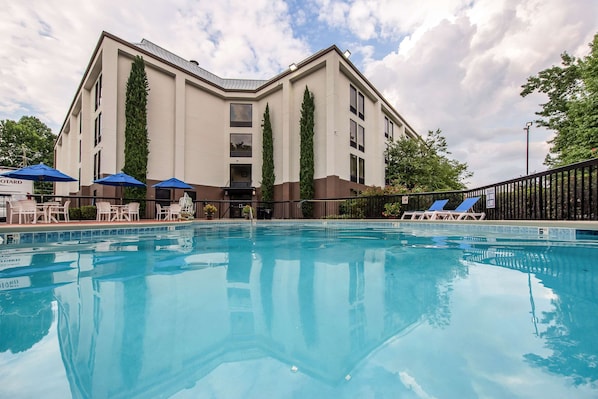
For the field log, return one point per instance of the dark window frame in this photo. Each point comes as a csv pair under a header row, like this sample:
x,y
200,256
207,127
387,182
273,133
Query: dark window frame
x,y
242,182
243,152
352,133
97,163
97,130
361,106
98,92
360,138
241,115
361,170
353,99
353,167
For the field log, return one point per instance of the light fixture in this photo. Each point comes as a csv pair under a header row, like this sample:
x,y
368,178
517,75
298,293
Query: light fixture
x,y
526,128
347,54
293,67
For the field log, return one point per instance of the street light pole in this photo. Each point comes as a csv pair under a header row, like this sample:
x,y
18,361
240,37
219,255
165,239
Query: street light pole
x,y
526,128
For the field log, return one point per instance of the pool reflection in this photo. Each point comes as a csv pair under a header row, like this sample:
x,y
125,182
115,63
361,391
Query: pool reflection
x,y
164,317
152,317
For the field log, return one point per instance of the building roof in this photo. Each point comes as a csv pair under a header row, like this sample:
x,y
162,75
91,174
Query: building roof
x,y
193,68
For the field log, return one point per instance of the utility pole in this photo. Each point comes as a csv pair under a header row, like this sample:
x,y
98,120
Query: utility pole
x,y
526,128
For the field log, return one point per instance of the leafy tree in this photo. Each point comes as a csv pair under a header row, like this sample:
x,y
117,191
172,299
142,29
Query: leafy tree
x,y
26,142
268,175
572,107
136,139
306,160
420,165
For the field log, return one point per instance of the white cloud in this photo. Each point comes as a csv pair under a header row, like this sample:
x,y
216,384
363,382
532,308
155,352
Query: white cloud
x,y
47,44
455,65
464,75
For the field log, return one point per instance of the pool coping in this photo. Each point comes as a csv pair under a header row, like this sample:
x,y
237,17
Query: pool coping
x,y
84,230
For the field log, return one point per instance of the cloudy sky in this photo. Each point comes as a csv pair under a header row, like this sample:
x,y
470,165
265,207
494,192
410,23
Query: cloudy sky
x,y
454,65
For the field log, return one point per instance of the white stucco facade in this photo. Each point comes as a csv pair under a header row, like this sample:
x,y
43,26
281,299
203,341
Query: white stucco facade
x,y
190,128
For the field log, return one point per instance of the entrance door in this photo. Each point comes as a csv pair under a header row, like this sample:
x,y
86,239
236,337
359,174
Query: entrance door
x,y
241,190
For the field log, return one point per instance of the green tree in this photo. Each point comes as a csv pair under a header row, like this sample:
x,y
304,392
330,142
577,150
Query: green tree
x,y
422,165
26,142
136,139
306,160
572,106
268,175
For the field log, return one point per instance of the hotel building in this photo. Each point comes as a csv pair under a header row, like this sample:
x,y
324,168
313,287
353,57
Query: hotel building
x,y
207,130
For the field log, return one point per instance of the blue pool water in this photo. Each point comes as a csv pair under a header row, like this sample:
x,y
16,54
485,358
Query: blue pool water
x,y
300,311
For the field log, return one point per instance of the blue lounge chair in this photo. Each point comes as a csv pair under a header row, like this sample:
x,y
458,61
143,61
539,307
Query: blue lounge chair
x,y
462,212
438,205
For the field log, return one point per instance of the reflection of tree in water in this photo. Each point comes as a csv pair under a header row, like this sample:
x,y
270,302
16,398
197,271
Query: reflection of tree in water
x,y
419,283
26,315
572,324
569,329
25,318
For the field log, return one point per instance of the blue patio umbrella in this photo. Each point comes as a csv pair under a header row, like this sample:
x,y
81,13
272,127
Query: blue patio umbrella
x,y
173,183
38,172
120,180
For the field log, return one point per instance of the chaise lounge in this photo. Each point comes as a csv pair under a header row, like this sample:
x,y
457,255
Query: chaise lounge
x,y
462,212
438,205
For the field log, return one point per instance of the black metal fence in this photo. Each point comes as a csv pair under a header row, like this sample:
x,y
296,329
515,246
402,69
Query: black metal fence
x,y
566,193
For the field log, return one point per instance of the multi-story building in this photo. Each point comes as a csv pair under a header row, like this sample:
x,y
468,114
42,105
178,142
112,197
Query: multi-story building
x,y
207,131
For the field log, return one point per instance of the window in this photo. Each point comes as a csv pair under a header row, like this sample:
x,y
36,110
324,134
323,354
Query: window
x,y
361,106
386,122
353,168
361,171
353,133
361,138
356,102
97,131
98,92
357,169
352,99
240,145
79,150
97,160
80,123
240,176
240,115
388,128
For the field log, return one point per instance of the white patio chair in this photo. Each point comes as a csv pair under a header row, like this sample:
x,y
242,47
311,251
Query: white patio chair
x,y
12,210
59,212
131,212
28,212
186,204
161,213
104,212
174,212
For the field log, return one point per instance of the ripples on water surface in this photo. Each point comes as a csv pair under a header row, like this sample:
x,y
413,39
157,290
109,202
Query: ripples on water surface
x,y
292,311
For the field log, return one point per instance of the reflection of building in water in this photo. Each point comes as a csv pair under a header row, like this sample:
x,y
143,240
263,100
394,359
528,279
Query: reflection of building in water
x,y
26,283
125,333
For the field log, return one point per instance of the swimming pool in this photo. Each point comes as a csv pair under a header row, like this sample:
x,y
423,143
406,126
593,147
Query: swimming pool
x,y
308,310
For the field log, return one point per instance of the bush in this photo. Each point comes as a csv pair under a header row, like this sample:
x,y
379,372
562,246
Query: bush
x,y
87,212
75,213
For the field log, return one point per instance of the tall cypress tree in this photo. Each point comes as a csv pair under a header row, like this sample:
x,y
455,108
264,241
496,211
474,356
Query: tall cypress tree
x,y
306,161
136,139
268,175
